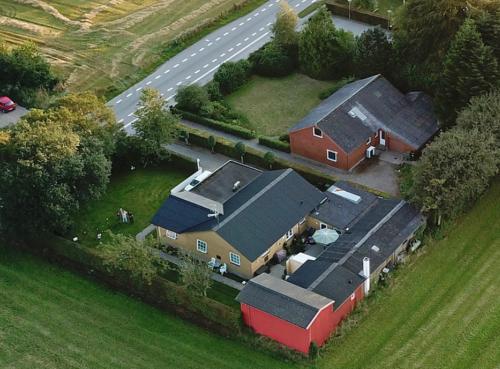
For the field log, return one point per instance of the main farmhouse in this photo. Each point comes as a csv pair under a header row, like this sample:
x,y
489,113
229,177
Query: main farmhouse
x,y
243,216
362,117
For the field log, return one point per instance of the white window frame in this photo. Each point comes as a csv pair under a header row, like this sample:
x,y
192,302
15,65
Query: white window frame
x,y
201,249
289,234
369,141
328,155
314,132
171,234
302,221
323,225
234,258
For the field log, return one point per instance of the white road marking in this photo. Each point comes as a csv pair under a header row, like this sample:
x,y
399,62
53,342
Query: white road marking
x,y
170,97
226,33
217,39
168,70
119,101
184,60
238,44
242,23
213,61
201,49
205,66
222,55
131,122
138,89
297,5
175,66
256,15
170,89
120,121
231,49
269,24
131,114
303,1
197,71
210,44
246,39
261,29
188,77
253,34
193,54
249,19
233,29
263,10
130,94
270,5
178,83
148,83
157,77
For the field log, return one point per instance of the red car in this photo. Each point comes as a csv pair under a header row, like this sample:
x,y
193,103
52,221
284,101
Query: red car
x,y
6,104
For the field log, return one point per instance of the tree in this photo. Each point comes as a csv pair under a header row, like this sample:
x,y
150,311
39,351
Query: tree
x,y
269,158
284,28
453,172
488,24
195,275
272,60
469,70
50,166
192,98
240,149
482,114
232,76
373,53
212,141
123,253
324,51
424,28
155,127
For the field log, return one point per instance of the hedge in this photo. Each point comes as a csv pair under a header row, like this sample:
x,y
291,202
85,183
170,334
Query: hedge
x,y
161,293
212,123
357,14
274,143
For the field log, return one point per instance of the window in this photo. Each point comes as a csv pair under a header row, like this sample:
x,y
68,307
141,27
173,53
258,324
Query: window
x,y
323,226
201,246
331,155
317,132
302,221
171,234
369,141
234,258
289,234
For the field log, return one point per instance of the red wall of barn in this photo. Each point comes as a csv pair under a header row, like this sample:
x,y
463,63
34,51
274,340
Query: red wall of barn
x,y
304,143
279,330
323,326
341,312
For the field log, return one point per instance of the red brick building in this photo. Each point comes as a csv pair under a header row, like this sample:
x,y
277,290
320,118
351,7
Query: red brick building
x,y
361,117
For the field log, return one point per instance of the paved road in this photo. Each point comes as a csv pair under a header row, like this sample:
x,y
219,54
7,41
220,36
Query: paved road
x,y
198,63
12,117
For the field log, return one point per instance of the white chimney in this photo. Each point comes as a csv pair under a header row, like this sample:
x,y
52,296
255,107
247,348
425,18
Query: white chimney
x,y
366,274
236,186
198,164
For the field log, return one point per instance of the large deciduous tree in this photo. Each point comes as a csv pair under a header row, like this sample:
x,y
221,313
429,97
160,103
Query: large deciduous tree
x,y
155,127
469,70
324,51
284,28
453,172
195,275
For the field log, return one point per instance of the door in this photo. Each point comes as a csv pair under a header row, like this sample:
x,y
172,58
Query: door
x,y
382,137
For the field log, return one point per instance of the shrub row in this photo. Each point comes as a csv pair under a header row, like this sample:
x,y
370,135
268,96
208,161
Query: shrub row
x,y
224,127
274,143
256,157
357,14
161,293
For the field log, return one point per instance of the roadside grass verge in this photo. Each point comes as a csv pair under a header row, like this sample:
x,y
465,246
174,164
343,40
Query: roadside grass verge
x,y
273,105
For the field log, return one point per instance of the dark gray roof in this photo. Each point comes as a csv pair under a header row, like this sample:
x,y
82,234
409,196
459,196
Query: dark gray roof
x,y
379,105
259,221
339,284
219,186
283,299
340,212
180,216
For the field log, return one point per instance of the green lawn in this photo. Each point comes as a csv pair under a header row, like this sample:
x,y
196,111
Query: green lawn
x,y
272,105
141,192
51,318
444,309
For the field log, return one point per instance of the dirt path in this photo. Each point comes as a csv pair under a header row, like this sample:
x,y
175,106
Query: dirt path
x,y
51,10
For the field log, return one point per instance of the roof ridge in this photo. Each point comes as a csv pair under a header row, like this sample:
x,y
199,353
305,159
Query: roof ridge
x,y
253,199
384,220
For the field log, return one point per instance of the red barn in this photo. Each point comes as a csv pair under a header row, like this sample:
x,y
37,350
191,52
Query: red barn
x,y
364,115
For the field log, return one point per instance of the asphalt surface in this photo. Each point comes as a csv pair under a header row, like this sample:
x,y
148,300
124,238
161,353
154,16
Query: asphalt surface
x,y
199,62
12,116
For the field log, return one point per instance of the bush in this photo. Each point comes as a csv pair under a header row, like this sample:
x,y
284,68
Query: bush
x,y
213,90
224,127
274,144
272,60
192,98
313,351
232,76
285,137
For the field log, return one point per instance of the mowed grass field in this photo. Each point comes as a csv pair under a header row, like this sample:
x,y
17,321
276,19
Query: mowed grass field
x,y
105,45
51,318
272,105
